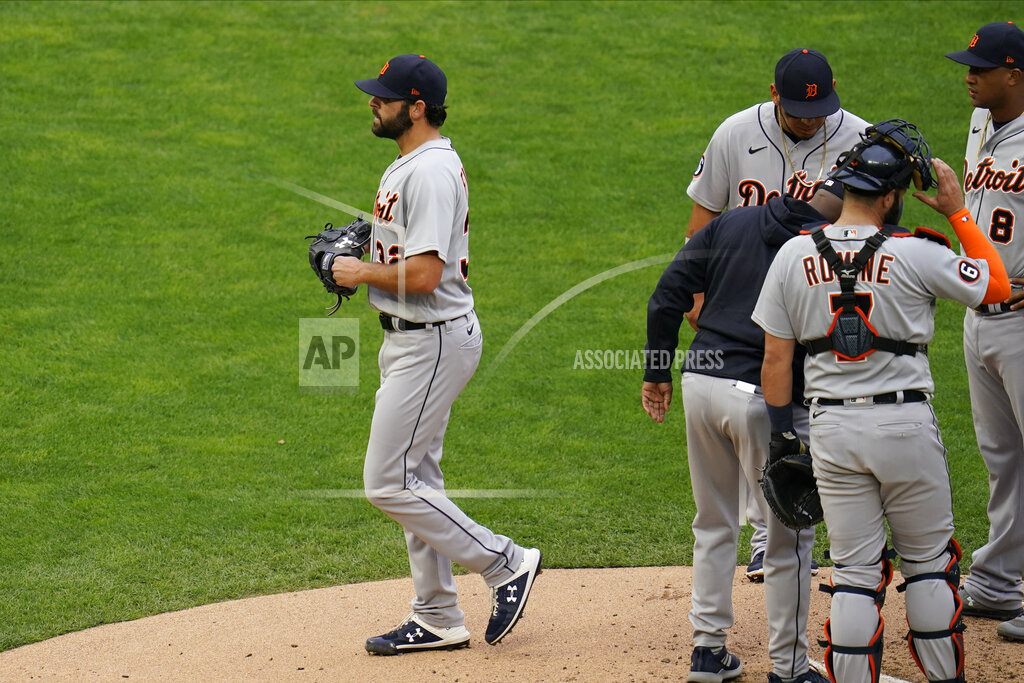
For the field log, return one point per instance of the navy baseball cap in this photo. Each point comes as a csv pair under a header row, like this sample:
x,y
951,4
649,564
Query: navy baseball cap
x,y
408,77
997,44
803,80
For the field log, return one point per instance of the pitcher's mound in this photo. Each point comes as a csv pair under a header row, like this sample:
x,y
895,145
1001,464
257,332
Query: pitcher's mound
x,y
580,625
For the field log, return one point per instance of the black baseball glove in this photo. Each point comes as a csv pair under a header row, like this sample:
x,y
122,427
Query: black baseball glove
x,y
788,483
332,242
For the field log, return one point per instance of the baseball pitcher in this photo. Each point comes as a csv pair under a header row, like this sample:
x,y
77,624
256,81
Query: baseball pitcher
x,y
416,278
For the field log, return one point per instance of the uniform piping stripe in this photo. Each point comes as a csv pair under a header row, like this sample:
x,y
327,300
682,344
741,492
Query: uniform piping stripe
x,y
412,439
799,608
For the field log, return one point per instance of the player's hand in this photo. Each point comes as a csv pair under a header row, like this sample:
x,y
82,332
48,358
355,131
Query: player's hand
x,y
949,198
1016,298
694,313
347,270
783,444
655,397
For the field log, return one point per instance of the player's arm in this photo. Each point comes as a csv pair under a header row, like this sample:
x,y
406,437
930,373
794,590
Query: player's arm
x,y
418,274
977,246
777,380
666,308
674,296
699,217
771,315
949,201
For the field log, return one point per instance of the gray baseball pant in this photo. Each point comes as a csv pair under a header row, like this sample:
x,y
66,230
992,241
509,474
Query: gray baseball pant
x,y
995,375
422,373
727,432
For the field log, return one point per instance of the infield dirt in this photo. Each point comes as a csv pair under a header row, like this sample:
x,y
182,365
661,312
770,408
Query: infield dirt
x,y
579,625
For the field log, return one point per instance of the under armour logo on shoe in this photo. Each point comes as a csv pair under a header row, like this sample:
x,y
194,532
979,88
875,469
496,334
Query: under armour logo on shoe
x,y
511,597
412,636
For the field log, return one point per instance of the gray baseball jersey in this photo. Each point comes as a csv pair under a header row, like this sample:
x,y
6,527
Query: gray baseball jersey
x,y
422,205
994,187
750,159
800,298
875,443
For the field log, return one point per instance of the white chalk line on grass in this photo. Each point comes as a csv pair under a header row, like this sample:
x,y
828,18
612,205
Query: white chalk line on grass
x,y
450,493
566,296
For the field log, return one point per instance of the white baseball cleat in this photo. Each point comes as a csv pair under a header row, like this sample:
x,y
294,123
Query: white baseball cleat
x,y
414,635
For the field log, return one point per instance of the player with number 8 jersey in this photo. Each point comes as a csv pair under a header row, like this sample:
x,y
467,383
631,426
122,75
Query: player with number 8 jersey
x,y
994,187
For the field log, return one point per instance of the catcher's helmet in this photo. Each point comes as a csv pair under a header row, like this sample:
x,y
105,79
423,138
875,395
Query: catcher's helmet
x,y
889,154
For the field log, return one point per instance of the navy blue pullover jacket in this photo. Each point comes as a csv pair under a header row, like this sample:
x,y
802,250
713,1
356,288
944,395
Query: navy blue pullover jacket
x,y
728,260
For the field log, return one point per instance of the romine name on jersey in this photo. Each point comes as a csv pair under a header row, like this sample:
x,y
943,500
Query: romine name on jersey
x,y
817,270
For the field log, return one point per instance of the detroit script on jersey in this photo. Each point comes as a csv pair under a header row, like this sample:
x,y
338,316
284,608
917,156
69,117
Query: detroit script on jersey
x,y
422,205
994,184
750,160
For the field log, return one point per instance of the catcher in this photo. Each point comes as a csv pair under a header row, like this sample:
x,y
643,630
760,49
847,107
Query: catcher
x,y
331,243
865,320
727,427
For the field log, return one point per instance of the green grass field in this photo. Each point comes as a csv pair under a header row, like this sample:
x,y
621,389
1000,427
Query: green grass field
x,y
153,279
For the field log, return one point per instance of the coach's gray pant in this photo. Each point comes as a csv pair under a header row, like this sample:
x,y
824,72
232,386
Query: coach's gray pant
x,y
422,372
727,432
995,374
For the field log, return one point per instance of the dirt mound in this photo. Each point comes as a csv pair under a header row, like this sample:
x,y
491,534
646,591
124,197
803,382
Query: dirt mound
x,y
580,625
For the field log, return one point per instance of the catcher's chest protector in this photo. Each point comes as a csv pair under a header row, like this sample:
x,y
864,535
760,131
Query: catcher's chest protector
x,y
851,337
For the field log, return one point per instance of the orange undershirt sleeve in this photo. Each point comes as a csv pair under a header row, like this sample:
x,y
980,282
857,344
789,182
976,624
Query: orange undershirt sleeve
x,y
977,246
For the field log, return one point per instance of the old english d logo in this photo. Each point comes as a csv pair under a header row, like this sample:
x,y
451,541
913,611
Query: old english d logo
x,y
974,40
385,68
812,91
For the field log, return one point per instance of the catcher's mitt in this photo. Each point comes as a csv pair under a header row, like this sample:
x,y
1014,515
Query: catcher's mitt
x,y
788,482
332,242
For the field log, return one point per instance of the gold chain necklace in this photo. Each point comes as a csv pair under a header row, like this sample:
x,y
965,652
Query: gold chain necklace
x,y
824,145
984,131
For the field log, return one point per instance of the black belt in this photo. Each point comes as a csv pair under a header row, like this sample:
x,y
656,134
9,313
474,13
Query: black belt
x,y
909,396
992,309
392,324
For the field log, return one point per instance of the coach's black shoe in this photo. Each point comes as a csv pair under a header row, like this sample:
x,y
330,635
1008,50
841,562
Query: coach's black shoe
x,y
708,666
972,608
412,635
509,599
755,570
811,676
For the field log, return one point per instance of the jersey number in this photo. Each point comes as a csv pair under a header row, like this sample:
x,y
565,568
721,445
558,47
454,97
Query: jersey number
x,y
1001,230
394,253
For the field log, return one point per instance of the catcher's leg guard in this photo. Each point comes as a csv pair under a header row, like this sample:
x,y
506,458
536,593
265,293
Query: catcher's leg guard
x,y
853,632
934,614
